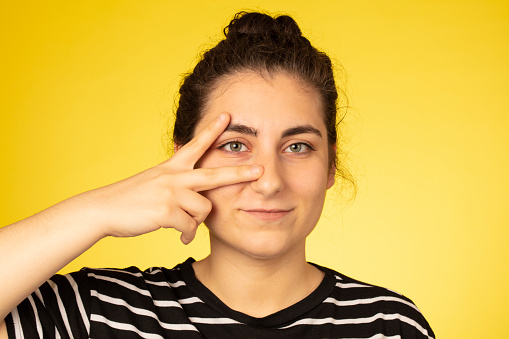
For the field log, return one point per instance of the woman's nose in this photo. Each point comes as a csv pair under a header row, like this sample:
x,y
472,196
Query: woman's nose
x,y
272,181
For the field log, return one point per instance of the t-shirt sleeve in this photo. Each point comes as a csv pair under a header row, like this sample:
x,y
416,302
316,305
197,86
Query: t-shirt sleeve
x,y
60,308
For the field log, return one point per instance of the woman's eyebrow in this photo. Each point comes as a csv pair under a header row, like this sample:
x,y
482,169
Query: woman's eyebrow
x,y
241,129
302,129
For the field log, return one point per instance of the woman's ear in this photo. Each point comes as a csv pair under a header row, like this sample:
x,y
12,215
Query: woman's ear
x,y
332,177
176,147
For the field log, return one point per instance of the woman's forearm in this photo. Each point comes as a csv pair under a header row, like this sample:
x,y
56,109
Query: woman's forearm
x,y
34,249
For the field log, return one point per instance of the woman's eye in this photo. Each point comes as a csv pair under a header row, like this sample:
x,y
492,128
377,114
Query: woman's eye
x,y
234,146
297,148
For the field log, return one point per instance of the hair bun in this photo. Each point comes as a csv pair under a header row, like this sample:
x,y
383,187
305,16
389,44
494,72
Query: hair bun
x,y
262,24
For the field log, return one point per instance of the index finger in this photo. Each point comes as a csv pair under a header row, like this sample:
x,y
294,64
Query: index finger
x,y
191,152
203,179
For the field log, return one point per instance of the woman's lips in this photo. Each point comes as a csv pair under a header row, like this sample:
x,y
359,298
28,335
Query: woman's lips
x,y
269,215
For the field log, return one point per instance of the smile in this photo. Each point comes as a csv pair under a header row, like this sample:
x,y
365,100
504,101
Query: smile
x,y
268,215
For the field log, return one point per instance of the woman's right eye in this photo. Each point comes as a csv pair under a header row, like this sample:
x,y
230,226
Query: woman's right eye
x,y
234,147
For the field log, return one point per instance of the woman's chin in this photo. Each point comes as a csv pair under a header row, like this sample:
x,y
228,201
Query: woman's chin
x,y
263,247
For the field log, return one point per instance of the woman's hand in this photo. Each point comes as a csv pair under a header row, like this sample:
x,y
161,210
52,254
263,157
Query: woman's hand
x,y
164,196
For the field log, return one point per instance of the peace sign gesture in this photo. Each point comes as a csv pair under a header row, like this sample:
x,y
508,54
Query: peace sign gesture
x,y
166,196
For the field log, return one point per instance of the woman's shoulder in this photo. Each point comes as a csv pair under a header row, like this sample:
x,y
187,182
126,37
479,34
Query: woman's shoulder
x,y
161,276
372,302
350,286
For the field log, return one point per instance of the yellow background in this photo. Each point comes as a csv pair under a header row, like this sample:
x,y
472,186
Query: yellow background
x,y
87,88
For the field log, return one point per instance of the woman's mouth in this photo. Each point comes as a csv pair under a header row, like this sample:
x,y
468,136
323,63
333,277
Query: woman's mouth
x,y
267,215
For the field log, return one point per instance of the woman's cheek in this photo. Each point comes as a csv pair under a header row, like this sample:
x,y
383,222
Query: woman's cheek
x,y
308,179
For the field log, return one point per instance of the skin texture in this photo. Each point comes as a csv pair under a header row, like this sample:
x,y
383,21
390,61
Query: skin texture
x,y
258,229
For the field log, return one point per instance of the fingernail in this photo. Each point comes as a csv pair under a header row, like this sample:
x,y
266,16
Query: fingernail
x,y
255,170
222,117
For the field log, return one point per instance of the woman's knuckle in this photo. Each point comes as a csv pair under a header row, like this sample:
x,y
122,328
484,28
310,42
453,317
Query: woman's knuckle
x,y
210,173
164,211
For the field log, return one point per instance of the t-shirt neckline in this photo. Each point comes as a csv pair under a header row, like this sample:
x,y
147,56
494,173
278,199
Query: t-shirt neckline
x,y
278,319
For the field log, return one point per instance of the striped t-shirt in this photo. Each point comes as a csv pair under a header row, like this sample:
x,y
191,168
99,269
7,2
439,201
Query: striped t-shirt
x,y
172,303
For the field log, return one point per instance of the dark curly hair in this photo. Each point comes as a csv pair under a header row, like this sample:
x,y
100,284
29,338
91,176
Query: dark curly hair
x,y
268,45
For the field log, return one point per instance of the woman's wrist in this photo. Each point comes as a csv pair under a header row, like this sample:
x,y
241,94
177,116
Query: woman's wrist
x,y
75,219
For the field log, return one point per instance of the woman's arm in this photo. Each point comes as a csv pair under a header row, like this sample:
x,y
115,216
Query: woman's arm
x,y
164,196
34,249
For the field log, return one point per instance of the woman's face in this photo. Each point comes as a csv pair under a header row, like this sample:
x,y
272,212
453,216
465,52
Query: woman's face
x,y
275,122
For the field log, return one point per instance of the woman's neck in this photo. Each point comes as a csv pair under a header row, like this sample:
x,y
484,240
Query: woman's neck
x,y
258,286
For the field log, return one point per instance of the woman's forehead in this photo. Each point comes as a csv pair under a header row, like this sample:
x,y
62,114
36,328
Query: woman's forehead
x,y
278,100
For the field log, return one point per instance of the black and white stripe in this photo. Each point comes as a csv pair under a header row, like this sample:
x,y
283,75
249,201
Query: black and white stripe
x,y
162,303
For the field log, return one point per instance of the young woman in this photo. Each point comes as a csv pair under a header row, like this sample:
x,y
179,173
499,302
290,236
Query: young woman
x,y
255,139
